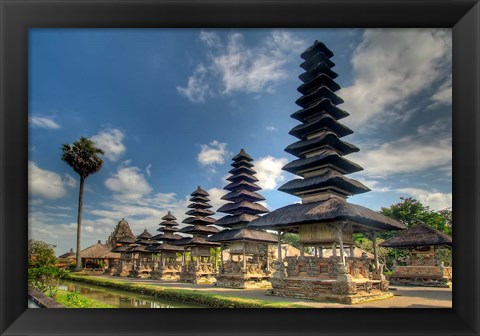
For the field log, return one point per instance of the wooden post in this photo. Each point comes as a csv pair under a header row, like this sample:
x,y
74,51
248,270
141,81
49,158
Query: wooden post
x,y
340,241
279,245
221,256
352,251
375,254
244,260
320,251
267,257
302,250
334,250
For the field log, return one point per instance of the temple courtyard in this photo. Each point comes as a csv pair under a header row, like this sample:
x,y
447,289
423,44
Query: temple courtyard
x,y
404,296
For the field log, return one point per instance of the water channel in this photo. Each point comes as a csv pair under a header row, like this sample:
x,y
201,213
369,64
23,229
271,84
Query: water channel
x,y
123,299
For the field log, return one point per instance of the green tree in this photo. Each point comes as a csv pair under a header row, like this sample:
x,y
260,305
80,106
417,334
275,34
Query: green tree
x,y
40,253
84,159
292,239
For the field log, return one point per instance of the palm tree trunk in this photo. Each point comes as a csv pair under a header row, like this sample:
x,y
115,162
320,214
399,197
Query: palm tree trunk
x,y
79,224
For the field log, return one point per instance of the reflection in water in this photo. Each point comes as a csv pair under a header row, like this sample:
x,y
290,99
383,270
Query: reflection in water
x,y
123,299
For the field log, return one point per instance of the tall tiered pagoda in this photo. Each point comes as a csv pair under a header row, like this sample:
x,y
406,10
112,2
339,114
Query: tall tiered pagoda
x,y
324,219
248,266
200,268
167,267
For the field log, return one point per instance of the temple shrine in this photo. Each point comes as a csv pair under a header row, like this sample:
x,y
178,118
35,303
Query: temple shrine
x,y
167,266
120,240
248,263
422,265
324,219
199,268
142,255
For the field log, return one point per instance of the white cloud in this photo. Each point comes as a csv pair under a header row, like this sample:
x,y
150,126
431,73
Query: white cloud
x,y
390,67
215,198
434,199
269,171
443,96
128,183
430,147
44,183
69,181
43,122
110,141
233,67
213,153
148,170
271,128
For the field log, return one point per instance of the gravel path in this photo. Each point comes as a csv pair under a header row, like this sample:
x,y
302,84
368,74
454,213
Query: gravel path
x,y
404,296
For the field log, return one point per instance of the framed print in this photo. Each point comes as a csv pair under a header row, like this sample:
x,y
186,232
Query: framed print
x,y
232,59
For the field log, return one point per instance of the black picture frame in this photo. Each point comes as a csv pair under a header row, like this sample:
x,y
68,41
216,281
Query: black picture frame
x,y
17,16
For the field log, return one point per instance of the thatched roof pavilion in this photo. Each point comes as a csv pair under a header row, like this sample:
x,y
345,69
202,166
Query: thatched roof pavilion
x,y
418,235
69,255
122,231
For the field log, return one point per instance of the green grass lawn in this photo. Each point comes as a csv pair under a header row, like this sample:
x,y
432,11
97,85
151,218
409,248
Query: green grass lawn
x,y
184,295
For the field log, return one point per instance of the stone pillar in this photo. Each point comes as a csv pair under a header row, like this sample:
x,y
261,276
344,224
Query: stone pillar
x,y
221,257
375,253
267,258
352,251
320,251
279,266
334,250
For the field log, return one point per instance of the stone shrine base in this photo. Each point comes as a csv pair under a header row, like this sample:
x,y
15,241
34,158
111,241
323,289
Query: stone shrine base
x,y
430,276
330,290
242,281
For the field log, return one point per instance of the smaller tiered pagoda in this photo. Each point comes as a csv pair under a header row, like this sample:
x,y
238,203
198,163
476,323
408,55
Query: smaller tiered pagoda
x,y
142,265
200,268
422,265
167,267
248,264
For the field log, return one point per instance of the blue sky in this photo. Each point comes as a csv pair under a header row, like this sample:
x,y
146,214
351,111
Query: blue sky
x,y
171,107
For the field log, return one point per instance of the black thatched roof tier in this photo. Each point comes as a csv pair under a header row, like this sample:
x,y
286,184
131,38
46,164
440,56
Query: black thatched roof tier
x,y
323,122
242,176
169,223
243,207
317,69
126,240
138,249
236,220
322,159
200,212
322,106
319,57
333,209
199,220
168,248
199,230
242,185
199,192
242,194
144,235
418,235
196,241
167,229
242,169
146,241
327,180
199,205
169,217
182,242
120,249
315,48
320,79
243,234
168,236
242,156
302,147
199,199
245,163
316,94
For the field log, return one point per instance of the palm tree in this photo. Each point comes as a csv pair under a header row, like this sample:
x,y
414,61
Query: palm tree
x,y
83,157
